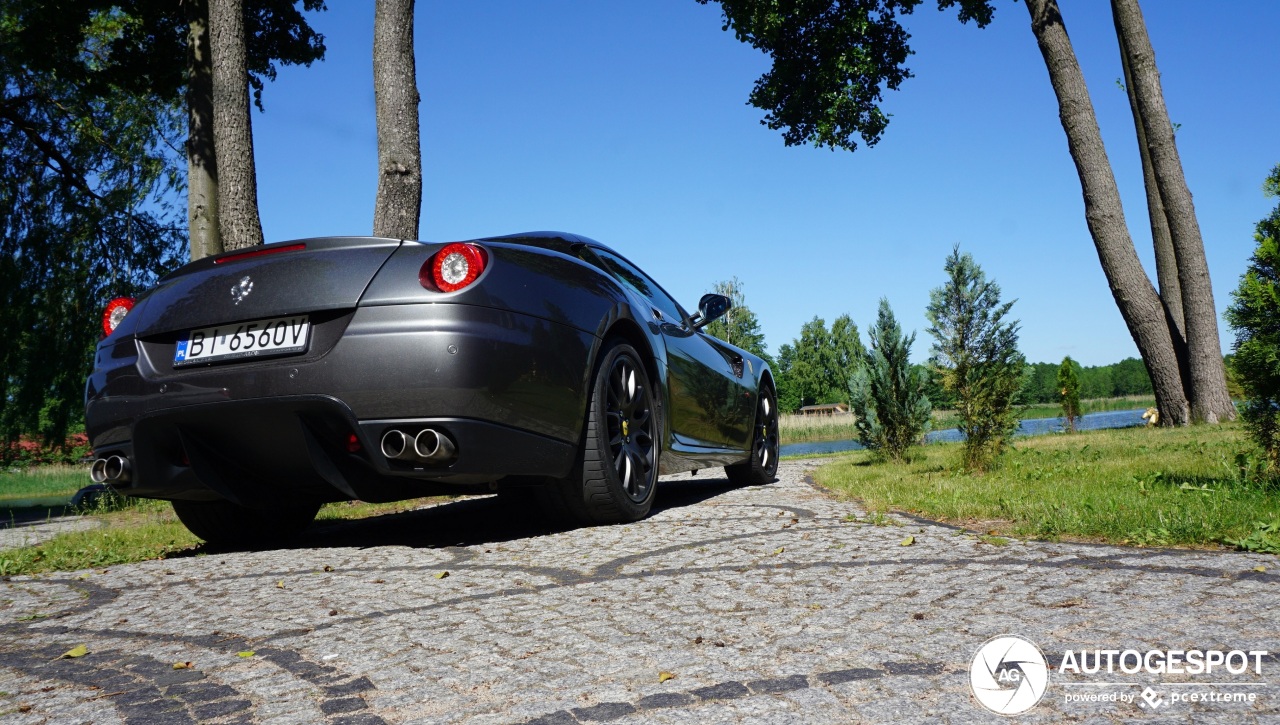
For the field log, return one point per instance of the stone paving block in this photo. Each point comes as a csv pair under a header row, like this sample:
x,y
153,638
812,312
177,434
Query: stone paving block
x,y
760,618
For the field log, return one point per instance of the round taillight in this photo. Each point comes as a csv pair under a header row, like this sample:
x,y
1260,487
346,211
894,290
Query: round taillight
x,y
455,266
114,314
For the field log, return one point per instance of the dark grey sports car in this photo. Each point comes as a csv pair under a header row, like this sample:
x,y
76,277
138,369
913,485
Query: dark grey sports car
x,y
251,387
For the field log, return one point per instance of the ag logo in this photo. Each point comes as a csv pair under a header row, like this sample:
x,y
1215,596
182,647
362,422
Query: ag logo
x,y
1009,675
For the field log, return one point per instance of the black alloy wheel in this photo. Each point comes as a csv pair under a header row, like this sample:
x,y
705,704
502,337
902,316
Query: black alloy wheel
x,y
617,476
762,467
629,422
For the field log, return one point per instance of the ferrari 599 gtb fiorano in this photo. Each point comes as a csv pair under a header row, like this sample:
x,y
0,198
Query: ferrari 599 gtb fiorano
x,y
252,387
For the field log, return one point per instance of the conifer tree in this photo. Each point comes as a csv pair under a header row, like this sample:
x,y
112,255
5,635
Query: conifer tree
x,y
976,351
887,392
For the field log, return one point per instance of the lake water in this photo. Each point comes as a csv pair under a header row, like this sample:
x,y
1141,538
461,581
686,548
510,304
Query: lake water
x,y
1030,427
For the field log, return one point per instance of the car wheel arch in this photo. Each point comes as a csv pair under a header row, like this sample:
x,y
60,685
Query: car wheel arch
x,y
630,332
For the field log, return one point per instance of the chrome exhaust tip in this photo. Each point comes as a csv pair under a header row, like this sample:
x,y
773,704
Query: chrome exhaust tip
x,y
98,471
117,469
432,445
395,444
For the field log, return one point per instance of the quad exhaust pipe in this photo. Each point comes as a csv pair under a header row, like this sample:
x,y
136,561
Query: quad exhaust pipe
x,y
430,446
112,469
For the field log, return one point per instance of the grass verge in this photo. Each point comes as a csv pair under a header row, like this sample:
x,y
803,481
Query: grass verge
x,y
42,482
141,530
1135,486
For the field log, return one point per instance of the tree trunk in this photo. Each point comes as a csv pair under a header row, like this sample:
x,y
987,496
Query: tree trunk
x,y
202,165
1139,304
1166,262
399,202
1208,391
232,131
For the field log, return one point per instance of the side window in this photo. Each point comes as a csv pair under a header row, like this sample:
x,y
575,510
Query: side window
x,y
628,274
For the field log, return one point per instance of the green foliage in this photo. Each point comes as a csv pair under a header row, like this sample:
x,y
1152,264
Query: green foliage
x,y
146,55
1264,539
84,216
831,62
890,408
1255,317
1069,391
816,368
739,326
92,125
976,351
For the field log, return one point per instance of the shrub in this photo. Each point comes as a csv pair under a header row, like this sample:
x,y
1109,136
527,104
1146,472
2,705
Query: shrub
x,y
1069,392
976,351
1255,317
887,392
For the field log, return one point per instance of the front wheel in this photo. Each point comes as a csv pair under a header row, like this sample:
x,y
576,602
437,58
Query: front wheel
x,y
227,524
762,467
617,474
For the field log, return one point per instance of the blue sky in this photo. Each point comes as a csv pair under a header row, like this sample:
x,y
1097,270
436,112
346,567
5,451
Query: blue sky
x,y
628,123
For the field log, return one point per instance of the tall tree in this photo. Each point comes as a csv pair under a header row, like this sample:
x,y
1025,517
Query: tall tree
x,y
976,349
739,326
202,165
849,352
85,179
1166,261
238,216
398,204
91,110
164,50
831,60
1205,376
1139,303
816,365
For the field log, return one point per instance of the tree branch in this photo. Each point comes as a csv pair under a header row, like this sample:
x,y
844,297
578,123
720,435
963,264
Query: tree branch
x,y
64,168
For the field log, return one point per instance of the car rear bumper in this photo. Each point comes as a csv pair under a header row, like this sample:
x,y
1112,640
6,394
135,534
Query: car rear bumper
x,y
311,448
508,389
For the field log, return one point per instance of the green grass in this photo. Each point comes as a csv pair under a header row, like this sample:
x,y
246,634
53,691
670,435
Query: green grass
x,y
42,482
794,428
143,529
1138,486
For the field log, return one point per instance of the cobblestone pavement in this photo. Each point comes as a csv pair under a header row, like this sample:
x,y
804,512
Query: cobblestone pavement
x,y
767,604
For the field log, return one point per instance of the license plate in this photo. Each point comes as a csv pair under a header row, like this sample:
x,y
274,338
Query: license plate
x,y
259,338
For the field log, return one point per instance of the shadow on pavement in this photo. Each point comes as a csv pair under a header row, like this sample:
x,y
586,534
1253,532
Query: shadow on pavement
x,y
27,513
470,521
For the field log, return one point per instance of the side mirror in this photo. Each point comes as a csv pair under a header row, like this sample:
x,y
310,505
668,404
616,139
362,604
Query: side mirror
x,y
710,308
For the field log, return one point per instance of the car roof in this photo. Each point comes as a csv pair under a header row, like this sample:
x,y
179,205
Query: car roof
x,y
562,242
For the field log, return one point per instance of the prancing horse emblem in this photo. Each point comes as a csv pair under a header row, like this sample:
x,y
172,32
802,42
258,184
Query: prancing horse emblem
x,y
242,289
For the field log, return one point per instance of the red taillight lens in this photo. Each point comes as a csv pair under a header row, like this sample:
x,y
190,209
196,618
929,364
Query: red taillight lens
x,y
114,314
455,266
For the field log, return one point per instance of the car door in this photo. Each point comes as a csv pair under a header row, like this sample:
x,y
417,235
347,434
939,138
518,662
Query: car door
x,y
710,405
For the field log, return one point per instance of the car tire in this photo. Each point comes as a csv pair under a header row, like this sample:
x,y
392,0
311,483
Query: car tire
x,y
616,476
227,524
762,467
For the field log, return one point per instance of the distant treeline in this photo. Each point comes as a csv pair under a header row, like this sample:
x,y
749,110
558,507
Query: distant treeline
x,y
1040,383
